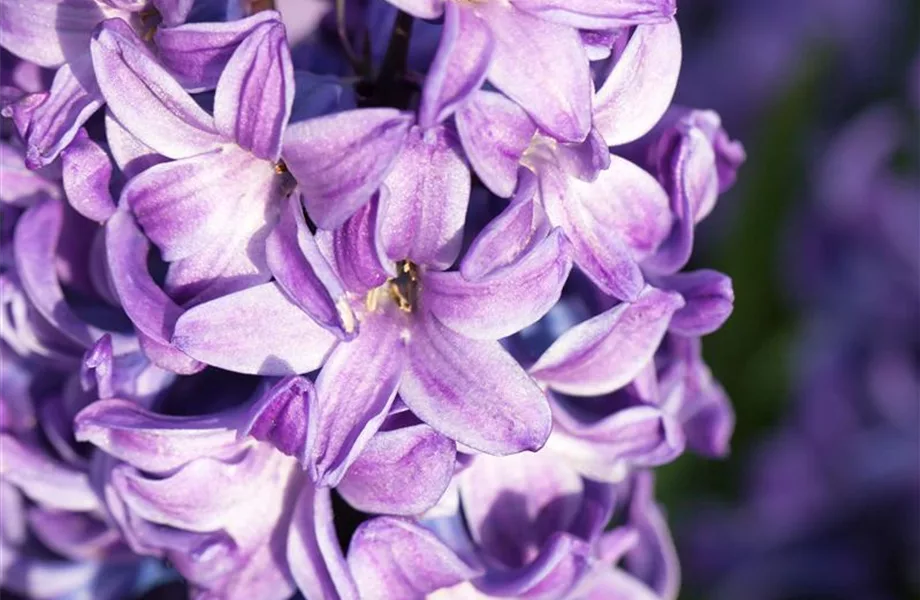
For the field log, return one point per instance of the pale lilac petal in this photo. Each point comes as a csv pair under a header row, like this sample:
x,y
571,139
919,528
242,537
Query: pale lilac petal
x,y
49,32
253,100
354,392
77,536
423,9
654,559
285,417
520,227
396,558
585,160
543,67
173,12
514,504
506,300
48,482
354,248
709,301
413,227
196,53
601,14
460,65
607,583
495,132
473,391
402,471
145,98
638,90
313,550
560,565
340,160
257,331
131,155
49,127
154,442
604,353
301,269
87,172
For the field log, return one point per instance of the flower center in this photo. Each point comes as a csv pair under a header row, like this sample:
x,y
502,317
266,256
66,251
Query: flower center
x,y
403,288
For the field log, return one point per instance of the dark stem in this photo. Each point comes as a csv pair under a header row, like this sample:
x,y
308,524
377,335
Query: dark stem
x,y
341,25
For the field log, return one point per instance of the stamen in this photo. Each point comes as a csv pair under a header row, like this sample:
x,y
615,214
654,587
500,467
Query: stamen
x,y
281,168
404,288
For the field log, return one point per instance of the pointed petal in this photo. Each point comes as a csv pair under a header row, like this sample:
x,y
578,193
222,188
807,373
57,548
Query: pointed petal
x,y
603,14
396,558
508,299
52,125
46,481
639,88
253,100
473,391
606,352
709,297
196,53
460,65
495,132
340,160
145,98
354,392
313,550
87,174
413,227
285,417
153,442
354,248
529,54
300,268
256,331
403,471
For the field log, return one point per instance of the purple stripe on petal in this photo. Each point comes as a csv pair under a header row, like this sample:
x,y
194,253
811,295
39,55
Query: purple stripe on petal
x,y
505,301
396,558
285,417
403,471
87,174
354,392
473,391
340,160
257,331
460,65
606,352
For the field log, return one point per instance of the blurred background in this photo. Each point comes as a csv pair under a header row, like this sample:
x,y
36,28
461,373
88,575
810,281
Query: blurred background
x,y
820,496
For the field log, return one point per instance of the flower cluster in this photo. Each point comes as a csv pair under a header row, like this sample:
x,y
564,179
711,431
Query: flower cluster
x,y
832,502
425,259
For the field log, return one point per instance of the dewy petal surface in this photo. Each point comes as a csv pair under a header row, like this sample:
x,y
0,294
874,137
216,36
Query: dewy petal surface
x,y
543,67
508,299
606,352
340,160
257,331
473,391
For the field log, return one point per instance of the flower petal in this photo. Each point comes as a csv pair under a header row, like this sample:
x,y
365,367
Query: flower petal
x,y
606,352
423,9
87,174
654,559
131,155
354,248
354,392
473,391
173,12
529,54
340,160
709,301
196,53
402,471
396,558
301,269
413,227
145,98
508,299
601,14
255,92
285,417
460,65
49,32
257,331
495,132
639,88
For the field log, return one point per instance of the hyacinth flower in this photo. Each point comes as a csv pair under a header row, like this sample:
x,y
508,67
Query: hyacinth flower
x,y
56,35
427,334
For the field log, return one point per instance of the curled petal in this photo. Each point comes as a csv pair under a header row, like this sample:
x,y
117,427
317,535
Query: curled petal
x,y
340,160
49,32
395,558
354,248
473,391
46,481
257,330
654,559
87,174
606,352
285,417
508,299
639,88
403,471
709,301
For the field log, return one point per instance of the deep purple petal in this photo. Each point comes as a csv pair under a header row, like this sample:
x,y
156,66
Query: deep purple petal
x,y
285,417
709,297
87,172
